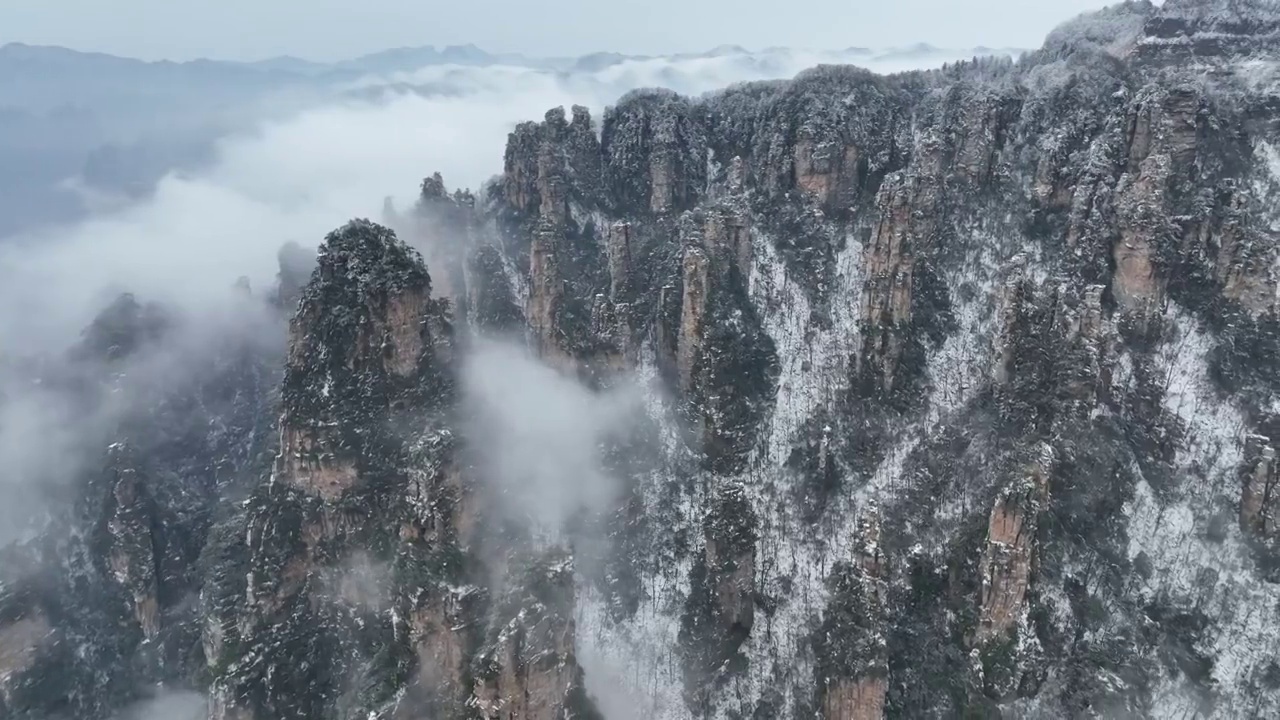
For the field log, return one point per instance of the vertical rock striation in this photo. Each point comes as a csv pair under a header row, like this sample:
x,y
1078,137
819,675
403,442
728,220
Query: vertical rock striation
x,y
962,404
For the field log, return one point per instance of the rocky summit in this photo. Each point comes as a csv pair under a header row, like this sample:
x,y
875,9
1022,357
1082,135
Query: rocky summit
x,y
960,397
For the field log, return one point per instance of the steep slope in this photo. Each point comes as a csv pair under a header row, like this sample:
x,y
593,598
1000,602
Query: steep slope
x,y
960,392
1029,310
156,428
357,585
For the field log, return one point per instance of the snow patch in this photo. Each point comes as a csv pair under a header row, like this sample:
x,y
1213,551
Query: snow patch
x,y
1190,568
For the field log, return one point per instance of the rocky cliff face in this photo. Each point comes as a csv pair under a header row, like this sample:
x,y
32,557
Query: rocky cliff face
x,y
366,584
997,300
100,601
961,395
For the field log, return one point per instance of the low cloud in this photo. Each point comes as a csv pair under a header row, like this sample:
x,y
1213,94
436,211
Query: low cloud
x,y
298,178
186,244
168,706
539,435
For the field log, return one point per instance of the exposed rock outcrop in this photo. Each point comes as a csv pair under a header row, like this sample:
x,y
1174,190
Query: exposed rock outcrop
x,y
853,673
369,359
1258,501
131,555
357,340
528,669
860,489
720,611
21,640
1008,556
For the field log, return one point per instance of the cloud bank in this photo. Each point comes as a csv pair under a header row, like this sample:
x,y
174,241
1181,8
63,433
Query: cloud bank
x,y
296,179
543,435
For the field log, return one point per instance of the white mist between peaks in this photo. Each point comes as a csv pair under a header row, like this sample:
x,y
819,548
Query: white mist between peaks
x,y
187,243
167,706
299,178
296,179
539,435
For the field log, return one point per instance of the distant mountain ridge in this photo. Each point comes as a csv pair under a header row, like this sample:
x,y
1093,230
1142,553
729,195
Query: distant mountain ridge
x,y
414,57
119,124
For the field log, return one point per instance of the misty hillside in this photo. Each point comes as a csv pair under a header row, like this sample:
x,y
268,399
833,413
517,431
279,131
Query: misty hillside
x,y
933,393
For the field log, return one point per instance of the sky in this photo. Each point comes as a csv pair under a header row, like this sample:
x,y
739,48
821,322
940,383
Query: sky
x,y
327,30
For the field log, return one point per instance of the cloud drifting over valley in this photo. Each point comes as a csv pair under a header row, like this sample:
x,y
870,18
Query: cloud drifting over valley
x,y
186,244
296,179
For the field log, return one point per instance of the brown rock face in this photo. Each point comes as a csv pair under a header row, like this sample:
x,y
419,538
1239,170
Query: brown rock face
x,y
862,699
527,690
618,245
902,225
378,346
395,332
546,293
1007,557
367,387
1258,504
1164,121
550,168
887,295
727,235
529,671
670,185
1141,198
307,461
692,313
716,243
534,177
20,644
131,557
438,629
1162,145
827,170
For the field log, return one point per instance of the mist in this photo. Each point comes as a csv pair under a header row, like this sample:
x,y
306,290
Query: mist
x,y
298,178
58,414
185,246
167,706
543,434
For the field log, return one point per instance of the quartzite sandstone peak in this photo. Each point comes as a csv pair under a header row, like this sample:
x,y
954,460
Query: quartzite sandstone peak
x,y
965,402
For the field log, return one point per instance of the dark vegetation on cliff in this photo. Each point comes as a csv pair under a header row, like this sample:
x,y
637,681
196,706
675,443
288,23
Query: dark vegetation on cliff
x,y
965,405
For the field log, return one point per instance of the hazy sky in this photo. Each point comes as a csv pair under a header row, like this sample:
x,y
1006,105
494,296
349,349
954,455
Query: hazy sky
x,y
334,29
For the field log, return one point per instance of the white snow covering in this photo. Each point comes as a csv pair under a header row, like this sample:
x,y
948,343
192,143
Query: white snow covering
x,y
631,667
814,361
814,373
957,369
1190,569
